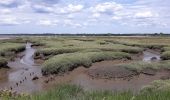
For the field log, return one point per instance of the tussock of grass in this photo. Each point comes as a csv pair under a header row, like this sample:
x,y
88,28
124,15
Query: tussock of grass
x,y
166,48
55,51
139,66
10,49
157,85
165,55
67,62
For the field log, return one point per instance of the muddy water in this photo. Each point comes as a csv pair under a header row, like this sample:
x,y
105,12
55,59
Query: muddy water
x,y
148,55
19,77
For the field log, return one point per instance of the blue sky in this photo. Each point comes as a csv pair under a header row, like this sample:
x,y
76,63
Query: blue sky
x,y
84,16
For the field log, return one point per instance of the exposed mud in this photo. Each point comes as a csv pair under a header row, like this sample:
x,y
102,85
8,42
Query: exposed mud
x,y
133,84
108,70
22,71
25,75
106,76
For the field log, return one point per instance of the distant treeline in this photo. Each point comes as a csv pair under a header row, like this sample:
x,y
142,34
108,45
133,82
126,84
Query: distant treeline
x,y
90,34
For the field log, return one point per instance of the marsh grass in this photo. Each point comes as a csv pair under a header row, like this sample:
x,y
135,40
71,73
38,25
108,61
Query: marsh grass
x,y
8,51
73,92
55,46
66,62
165,55
140,66
11,47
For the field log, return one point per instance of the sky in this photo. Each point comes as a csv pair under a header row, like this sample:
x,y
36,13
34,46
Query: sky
x,y
84,16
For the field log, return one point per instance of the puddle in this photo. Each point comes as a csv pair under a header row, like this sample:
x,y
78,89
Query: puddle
x,y
150,56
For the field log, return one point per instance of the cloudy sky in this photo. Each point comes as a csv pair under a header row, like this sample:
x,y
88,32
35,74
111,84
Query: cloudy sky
x,y
84,16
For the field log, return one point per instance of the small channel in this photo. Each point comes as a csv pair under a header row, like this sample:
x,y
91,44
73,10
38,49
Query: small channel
x,y
23,70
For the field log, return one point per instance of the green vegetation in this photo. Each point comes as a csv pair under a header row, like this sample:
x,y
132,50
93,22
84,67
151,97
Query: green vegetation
x,y
8,50
140,66
165,55
55,46
72,92
146,42
63,54
157,85
67,62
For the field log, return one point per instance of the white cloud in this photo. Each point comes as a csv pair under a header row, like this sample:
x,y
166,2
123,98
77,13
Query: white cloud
x,y
7,2
107,7
116,17
5,11
56,9
48,22
77,14
8,20
145,14
73,8
70,23
96,15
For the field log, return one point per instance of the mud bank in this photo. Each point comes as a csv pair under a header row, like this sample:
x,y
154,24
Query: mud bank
x,y
106,76
25,75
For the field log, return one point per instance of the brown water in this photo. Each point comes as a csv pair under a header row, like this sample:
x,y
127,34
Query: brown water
x,y
19,77
149,54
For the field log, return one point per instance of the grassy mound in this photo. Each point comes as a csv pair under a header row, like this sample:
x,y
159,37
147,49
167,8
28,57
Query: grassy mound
x,y
11,48
8,51
54,51
48,52
157,85
67,62
140,66
165,55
